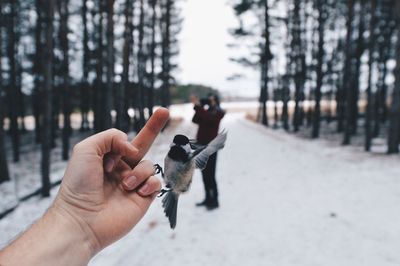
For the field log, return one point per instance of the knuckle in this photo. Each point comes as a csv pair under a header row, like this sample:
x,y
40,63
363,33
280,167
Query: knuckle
x,y
77,147
154,183
114,131
145,169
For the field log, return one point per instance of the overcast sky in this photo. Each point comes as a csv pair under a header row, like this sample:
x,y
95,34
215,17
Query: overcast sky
x,y
204,56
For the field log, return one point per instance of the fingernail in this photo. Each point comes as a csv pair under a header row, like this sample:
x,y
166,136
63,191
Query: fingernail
x,y
134,149
145,189
130,181
109,165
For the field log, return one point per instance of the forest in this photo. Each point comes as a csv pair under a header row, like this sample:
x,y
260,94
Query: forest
x,y
108,61
324,65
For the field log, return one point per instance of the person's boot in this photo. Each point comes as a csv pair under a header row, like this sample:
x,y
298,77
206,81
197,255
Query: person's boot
x,y
202,203
213,203
205,202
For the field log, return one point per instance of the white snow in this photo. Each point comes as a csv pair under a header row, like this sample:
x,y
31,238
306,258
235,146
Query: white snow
x,y
284,200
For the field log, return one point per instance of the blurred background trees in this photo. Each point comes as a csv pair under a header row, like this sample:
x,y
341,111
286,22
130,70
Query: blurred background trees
x,y
81,66
331,67
72,68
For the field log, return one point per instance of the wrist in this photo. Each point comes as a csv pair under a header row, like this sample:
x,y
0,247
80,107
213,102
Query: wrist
x,y
79,230
55,239
65,233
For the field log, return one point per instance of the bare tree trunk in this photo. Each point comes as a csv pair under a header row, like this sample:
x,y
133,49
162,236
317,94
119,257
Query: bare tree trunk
x,y
13,88
122,107
150,99
85,94
356,74
368,114
108,96
98,88
166,43
347,69
141,67
385,51
262,115
4,173
285,99
266,56
320,59
299,65
37,70
47,98
66,131
394,113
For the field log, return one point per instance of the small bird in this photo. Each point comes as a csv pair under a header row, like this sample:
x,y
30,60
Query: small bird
x,y
182,159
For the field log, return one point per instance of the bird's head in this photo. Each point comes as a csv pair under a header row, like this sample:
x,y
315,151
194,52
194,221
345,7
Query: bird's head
x,y
181,140
180,148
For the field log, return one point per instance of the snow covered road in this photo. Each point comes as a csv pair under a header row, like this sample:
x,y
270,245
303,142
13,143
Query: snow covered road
x,y
284,201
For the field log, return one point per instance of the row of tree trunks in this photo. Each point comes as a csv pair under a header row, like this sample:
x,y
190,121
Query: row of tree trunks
x,y
326,44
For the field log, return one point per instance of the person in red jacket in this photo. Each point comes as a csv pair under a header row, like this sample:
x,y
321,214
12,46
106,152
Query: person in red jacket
x,y
208,120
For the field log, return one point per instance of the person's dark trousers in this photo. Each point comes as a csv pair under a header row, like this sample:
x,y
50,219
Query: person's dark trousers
x,y
210,184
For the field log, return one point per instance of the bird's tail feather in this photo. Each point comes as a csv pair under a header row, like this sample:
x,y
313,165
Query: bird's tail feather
x,y
170,204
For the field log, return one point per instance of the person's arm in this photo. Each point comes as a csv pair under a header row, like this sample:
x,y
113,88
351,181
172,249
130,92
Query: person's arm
x,y
106,190
196,118
54,239
196,103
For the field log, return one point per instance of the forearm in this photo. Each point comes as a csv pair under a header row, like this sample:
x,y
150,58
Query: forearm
x,y
52,240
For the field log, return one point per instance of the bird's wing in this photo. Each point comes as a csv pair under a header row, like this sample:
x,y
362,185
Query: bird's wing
x,y
196,146
216,144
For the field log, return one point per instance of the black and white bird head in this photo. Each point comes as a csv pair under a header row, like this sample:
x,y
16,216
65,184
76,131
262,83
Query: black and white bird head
x,y
180,148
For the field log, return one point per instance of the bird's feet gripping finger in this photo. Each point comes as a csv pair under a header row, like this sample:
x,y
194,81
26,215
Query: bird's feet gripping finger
x,y
159,170
163,192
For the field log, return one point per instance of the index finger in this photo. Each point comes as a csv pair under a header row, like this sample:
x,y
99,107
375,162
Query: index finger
x,y
148,134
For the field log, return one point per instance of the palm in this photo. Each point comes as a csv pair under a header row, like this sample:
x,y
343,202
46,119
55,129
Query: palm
x,y
97,199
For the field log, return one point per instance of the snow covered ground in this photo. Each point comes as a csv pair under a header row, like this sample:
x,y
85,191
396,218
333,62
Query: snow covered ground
x,y
284,201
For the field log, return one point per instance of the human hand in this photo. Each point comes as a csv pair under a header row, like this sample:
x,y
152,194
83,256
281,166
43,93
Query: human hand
x,y
107,189
97,203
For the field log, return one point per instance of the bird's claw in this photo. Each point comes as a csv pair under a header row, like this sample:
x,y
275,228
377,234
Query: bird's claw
x,y
158,170
163,191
